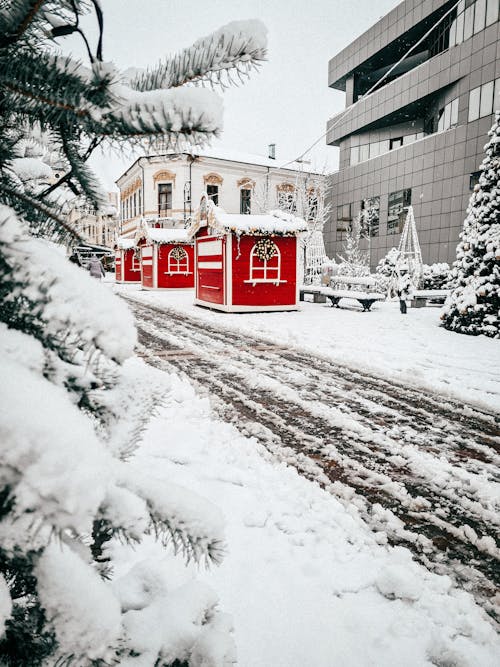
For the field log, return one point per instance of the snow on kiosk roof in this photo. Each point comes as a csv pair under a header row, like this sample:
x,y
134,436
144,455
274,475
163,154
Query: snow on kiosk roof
x,y
160,236
124,243
274,223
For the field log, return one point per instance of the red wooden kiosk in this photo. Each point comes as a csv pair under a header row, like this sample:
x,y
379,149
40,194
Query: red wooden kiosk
x,y
167,258
246,262
127,263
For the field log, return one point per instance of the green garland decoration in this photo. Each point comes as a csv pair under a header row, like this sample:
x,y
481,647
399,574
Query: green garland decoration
x,y
179,253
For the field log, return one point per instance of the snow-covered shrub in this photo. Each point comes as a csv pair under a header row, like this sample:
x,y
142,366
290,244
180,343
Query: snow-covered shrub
x,y
435,276
473,306
71,413
387,271
354,261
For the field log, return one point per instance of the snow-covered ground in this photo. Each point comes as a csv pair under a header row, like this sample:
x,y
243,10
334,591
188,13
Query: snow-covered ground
x,y
411,348
304,578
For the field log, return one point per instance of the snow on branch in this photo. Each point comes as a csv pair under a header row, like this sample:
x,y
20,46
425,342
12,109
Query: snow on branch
x,y
232,51
180,517
188,113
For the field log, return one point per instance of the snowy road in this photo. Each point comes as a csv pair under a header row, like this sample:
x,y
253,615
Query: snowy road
x,y
422,471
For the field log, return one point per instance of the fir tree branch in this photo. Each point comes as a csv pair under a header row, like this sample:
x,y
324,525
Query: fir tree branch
x,y
24,21
41,208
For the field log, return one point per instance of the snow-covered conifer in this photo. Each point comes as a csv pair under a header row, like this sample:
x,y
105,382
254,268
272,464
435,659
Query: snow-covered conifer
x,y
354,261
473,306
70,418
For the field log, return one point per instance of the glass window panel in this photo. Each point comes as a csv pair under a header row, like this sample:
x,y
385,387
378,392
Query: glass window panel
x,y
441,120
354,154
479,16
453,33
454,112
468,22
492,11
374,149
474,96
363,152
447,117
486,106
384,146
496,97
460,28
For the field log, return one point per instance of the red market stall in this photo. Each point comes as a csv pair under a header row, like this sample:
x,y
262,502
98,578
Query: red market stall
x,y
246,262
127,263
167,258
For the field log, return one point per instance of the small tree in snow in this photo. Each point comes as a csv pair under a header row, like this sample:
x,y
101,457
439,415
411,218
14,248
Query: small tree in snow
x,y
354,261
473,306
70,415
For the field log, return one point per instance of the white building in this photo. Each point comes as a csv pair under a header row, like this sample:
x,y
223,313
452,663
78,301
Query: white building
x,y
168,187
96,227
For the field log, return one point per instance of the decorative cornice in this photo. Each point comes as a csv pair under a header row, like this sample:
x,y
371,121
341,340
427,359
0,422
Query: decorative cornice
x,y
246,183
163,175
212,179
133,187
285,187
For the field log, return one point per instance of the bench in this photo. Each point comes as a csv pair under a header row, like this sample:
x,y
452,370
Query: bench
x,y
421,298
315,290
321,294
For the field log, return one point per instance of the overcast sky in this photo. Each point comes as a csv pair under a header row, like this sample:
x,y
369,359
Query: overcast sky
x,y
287,102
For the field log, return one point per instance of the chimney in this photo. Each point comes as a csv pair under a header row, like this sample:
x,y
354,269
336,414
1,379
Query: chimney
x,y
272,151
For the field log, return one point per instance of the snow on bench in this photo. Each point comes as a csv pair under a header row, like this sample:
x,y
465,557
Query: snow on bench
x,y
420,298
321,294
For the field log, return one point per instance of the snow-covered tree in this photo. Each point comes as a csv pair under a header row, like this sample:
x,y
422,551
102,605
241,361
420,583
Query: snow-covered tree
x,y
473,306
354,261
387,271
435,276
71,416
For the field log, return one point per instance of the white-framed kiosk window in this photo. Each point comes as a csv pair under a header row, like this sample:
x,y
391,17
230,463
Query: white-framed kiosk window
x,y
178,260
265,263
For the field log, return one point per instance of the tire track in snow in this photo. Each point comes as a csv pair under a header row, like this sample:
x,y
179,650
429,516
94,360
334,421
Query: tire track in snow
x,y
354,450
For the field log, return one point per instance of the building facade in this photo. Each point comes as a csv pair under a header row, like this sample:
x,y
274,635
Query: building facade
x,y
96,227
414,130
168,187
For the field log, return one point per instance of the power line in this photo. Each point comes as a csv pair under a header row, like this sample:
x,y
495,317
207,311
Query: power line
x,y
371,90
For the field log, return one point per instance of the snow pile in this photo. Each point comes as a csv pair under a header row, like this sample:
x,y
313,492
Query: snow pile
x,y
306,581
124,243
168,235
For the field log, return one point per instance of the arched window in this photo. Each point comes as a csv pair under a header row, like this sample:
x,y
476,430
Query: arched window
x,y
265,263
178,260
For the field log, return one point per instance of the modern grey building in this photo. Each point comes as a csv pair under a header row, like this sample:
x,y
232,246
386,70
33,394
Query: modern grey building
x,y
414,134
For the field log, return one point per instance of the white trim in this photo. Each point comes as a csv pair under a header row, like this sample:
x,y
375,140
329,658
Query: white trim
x,y
229,270
178,273
210,287
243,309
147,251
264,269
147,262
155,266
265,280
210,247
210,265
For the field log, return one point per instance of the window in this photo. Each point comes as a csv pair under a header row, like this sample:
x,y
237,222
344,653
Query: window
x,y
492,10
213,193
484,99
371,216
136,264
448,115
474,97
135,204
265,262
486,105
344,218
354,154
474,179
286,200
472,17
245,200
178,260
364,152
395,143
398,206
139,198
164,199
